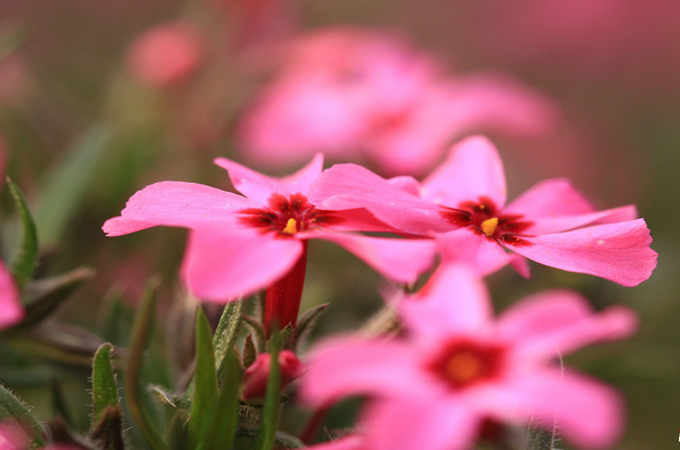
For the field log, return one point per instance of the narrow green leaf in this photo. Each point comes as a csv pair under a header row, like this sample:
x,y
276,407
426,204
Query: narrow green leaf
x,y
226,333
109,431
59,406
43,297
222,428
176,433
23,262
249,352
19,411
224,339
141,333
259,337
305,325
205,393
266,437
68,182
104,387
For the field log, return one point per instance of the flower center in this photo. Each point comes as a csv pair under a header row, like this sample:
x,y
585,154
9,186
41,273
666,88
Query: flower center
x,y
463,363
484,218
287,215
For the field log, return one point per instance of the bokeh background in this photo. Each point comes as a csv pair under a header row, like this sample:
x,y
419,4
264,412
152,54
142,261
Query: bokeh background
x,y
85,121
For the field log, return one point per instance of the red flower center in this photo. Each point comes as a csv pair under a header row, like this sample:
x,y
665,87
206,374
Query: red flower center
x,y
483,217
463,363
287,216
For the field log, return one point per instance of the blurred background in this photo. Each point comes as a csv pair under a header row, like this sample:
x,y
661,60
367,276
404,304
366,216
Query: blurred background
x,y
99,99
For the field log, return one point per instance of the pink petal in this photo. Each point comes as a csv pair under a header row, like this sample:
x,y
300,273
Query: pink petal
x,y
481,255
401,260
618,252
177,204
11,311
549,225
453,301
586,412
260,187
358,220
472,170
348,186
559,322
408,424
406,183
347,367
222,264
550,198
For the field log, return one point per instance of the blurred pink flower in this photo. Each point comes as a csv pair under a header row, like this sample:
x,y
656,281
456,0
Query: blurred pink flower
x,y
241,244
11,311
465,197
256,376
166,55
456,367
354,94
12,436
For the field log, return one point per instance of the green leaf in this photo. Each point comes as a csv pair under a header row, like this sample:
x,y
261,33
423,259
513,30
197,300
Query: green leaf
x,y
176,433
305,325
205,393
109,431
249,352
224,339
43,297
259,337
266,437
141,333
23,262
222,429
226,333
19,411
104,387
68,183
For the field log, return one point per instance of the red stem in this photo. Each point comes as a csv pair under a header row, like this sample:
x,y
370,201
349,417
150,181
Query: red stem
x,y
282,301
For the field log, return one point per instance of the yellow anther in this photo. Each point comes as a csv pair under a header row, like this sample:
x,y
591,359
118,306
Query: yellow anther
x,y
489,226
291,227
464,367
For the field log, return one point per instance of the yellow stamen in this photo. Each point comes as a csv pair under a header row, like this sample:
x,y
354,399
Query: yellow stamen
x,y
489,226
291,227
464,367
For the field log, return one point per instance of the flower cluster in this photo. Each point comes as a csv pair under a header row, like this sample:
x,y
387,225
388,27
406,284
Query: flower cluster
x,y
452,368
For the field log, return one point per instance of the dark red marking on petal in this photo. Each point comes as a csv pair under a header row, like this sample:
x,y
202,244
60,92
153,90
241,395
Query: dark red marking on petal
x,y
463,363
280,210
473,214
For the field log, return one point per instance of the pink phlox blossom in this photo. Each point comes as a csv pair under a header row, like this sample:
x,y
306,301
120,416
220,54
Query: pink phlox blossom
x,y
240,244
364,95
11,311
456,367
463,203
166,54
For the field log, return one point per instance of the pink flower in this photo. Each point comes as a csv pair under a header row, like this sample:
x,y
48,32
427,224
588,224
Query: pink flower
x,y
456,367
256,376
353,93
241,244
11,311
465,197
166,54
